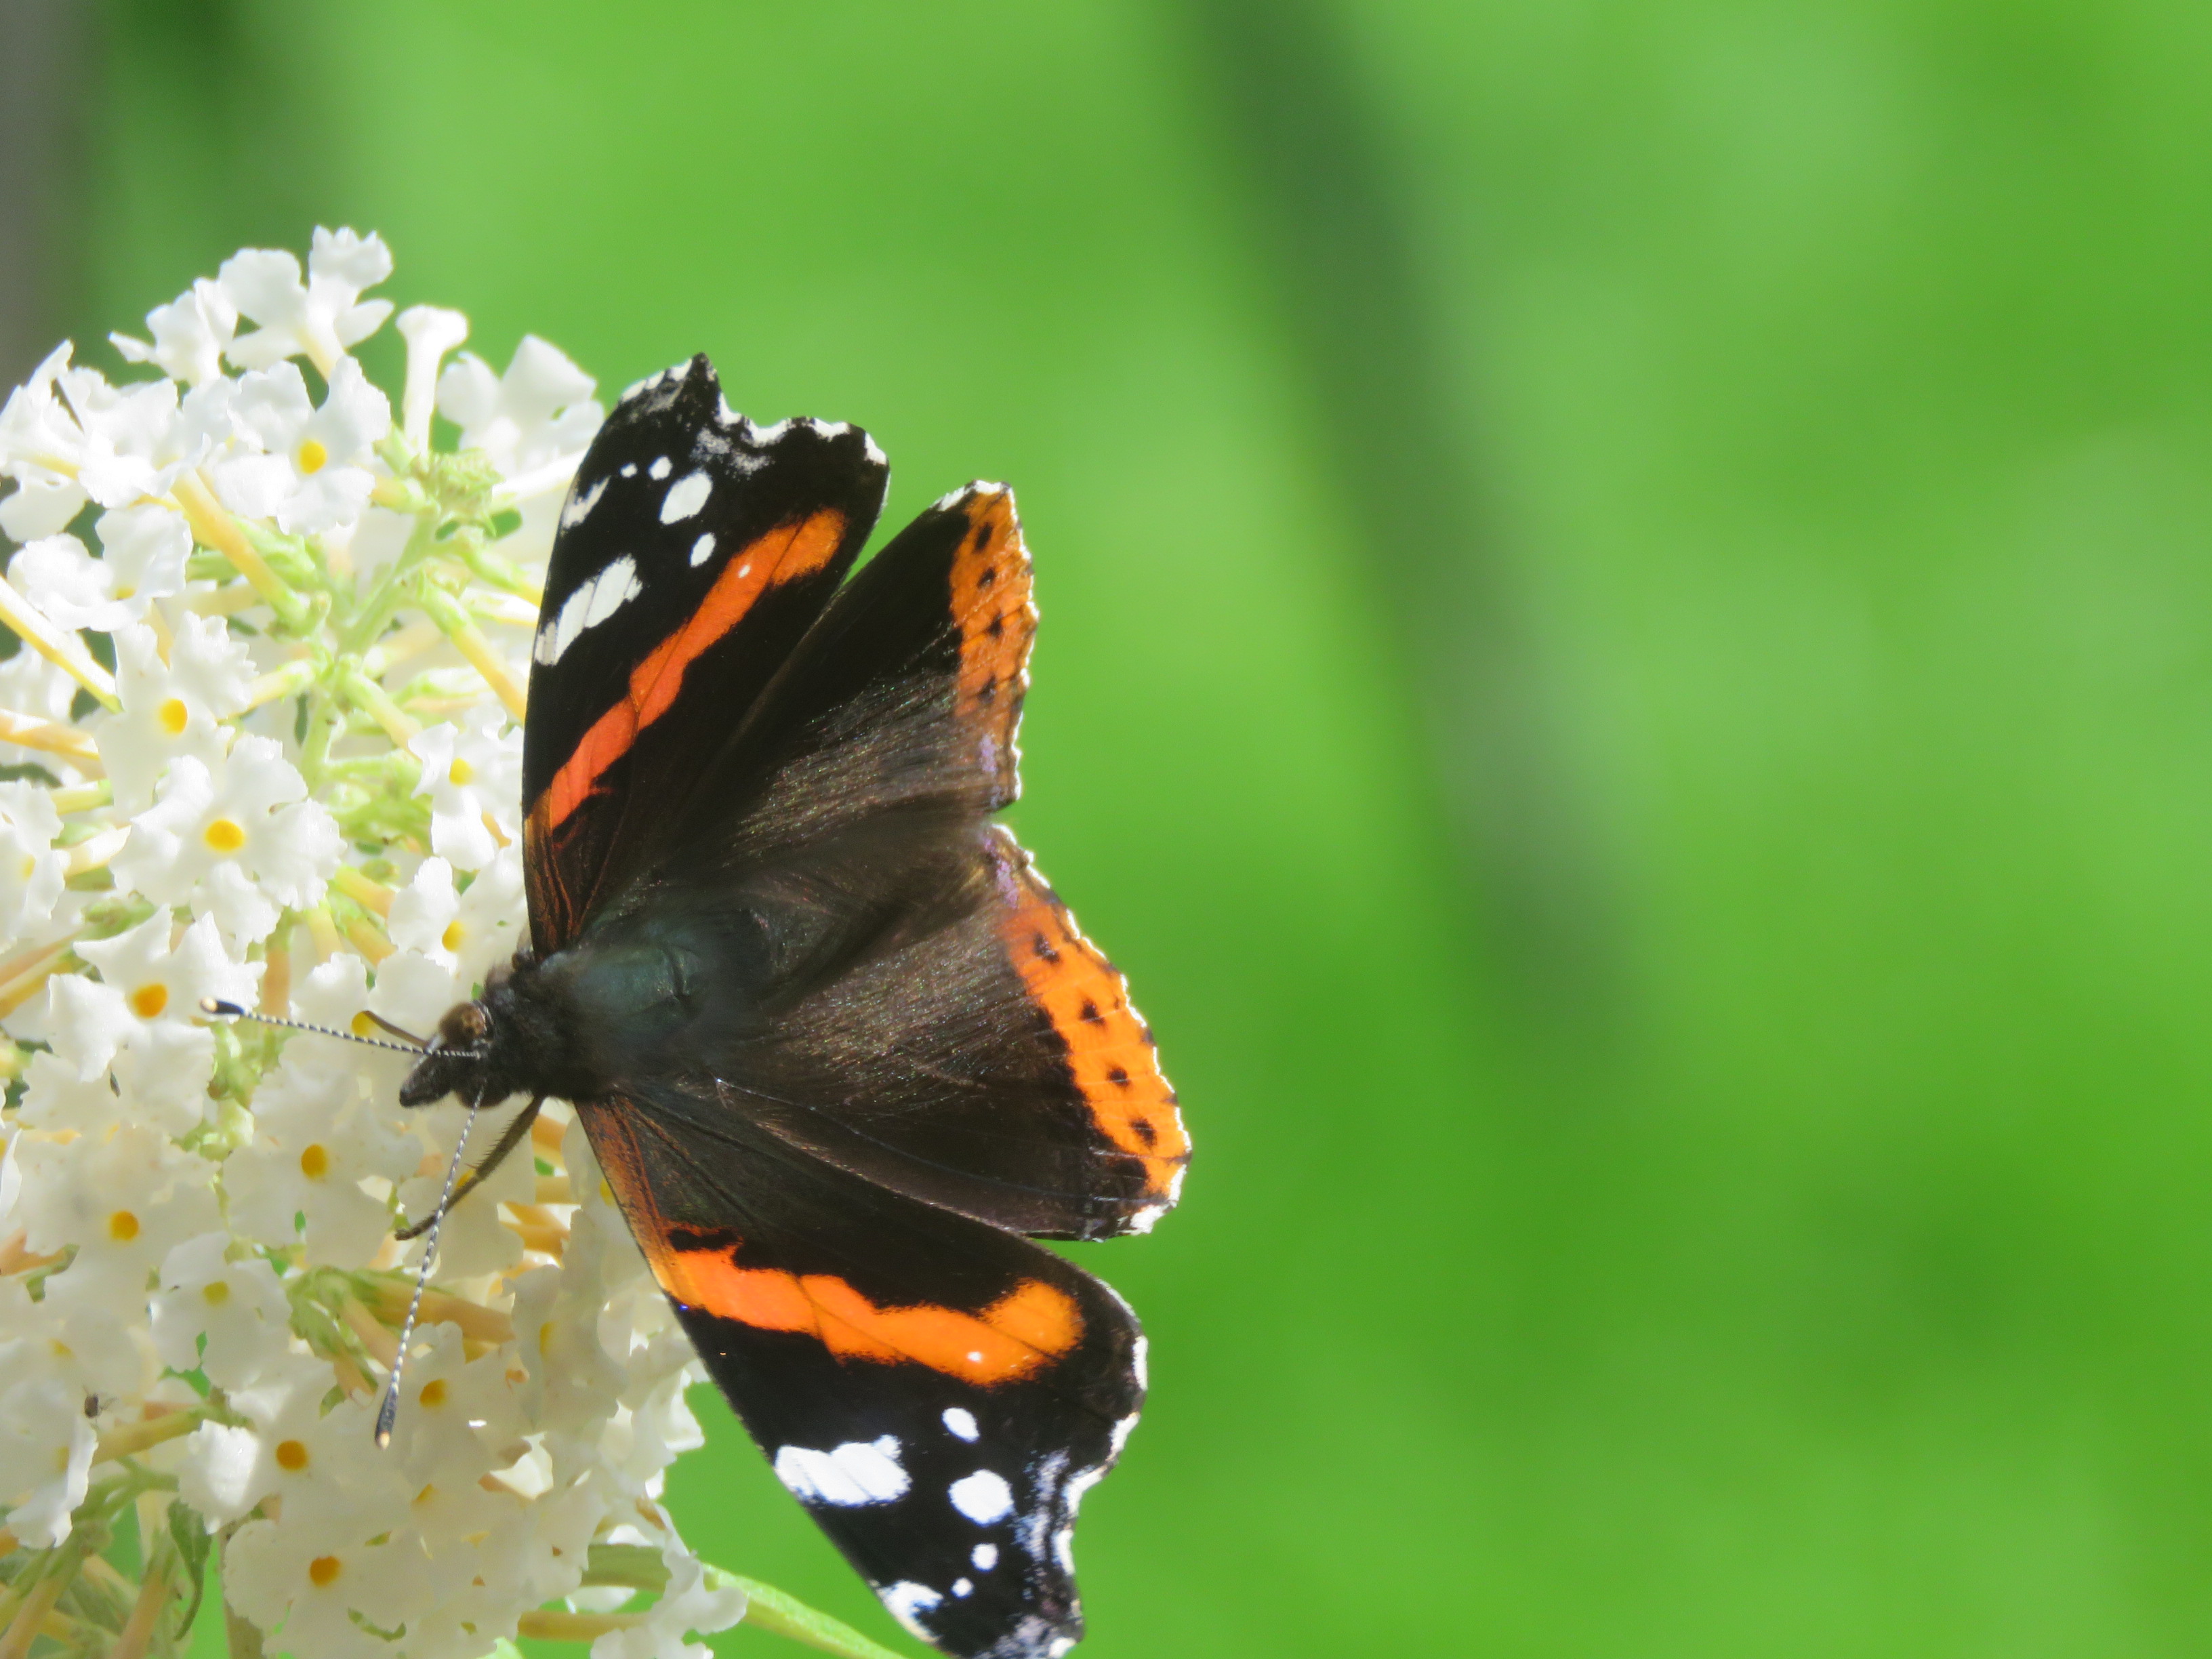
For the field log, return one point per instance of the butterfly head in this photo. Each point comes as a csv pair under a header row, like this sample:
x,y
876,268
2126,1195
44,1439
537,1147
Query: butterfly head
x,y
511,1039
459,1059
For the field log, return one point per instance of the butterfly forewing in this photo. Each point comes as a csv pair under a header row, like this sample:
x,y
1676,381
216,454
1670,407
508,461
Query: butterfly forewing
x,y
694,551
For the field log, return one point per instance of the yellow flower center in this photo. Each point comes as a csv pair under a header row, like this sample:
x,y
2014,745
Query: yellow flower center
x,y
315,1162
30,865
461,772
434,1392
362,1026
225,836
122,1226
216,1292
324,1570
291,1455
452,938
313,457
149,1001
173,714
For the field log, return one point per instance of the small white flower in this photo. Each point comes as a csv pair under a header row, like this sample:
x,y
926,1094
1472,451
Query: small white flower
x,y
137,442
40,447
466,933
45,1458
472,772
173,708
537,412
315,1139
80,1331
235,841
124,1199
224,1318
58,1096
150,995
191,334
430,333
322,320
311,473
31,873
146,547
73,588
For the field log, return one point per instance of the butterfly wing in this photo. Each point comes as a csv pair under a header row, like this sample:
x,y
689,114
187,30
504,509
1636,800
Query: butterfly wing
x,y
938,1394
694,551
934,1020
989,1060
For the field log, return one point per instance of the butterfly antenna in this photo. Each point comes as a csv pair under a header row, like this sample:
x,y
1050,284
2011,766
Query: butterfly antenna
x,y
216,1008
388,1412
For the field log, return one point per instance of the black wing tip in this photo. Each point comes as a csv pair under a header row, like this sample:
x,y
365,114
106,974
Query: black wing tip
x,y
1031,1636
690,393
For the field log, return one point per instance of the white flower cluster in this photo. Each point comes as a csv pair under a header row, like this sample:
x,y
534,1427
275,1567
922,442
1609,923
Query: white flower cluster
x,y
296,789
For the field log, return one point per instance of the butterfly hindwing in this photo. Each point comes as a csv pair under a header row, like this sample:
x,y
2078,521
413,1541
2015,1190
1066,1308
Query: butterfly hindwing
x,y
938,1394
694,551
984,1056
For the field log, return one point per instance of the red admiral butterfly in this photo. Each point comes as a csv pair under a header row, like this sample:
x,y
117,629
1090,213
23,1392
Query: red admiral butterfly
x,y
836,1044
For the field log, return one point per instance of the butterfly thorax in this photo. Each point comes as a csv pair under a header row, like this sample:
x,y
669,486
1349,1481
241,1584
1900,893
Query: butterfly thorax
x,y
630,1002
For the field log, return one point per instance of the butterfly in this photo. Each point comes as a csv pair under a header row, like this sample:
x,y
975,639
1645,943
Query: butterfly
x,y
837,1046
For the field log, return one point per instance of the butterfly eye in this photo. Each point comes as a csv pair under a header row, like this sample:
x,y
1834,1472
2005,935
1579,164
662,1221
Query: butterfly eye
x,y
463,1027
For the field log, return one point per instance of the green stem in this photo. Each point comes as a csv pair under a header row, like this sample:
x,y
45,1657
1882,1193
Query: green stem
x,y
771,1609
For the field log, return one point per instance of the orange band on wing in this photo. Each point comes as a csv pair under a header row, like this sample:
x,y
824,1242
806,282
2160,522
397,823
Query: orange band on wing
x,y
783,555
1021,1332
997,619
1109,1048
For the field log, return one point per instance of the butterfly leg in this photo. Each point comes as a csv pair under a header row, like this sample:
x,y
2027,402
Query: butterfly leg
x,y
509,1140
400,1032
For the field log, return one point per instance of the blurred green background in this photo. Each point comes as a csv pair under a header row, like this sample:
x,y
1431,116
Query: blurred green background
x,y
1627,668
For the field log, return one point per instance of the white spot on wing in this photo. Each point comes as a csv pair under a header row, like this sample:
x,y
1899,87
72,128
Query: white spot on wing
x,y
629,468
984,1556
859,1472
983,1497
1063,1541
907,1601
961,1422
1122,1433
661,467
704,550
578,505
685,496
589,605
962,1587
